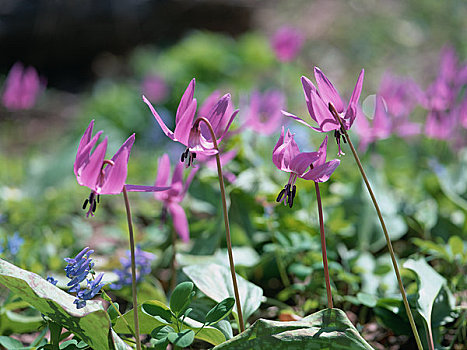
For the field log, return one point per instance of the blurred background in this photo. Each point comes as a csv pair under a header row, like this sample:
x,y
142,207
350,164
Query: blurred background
x,y
64,63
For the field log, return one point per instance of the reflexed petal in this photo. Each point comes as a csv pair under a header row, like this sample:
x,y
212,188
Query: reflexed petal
x,y
115,175
327,91
127,144
179,220
159,120
82,158
92,170
163,171
300,120
185,101
323,172
140,188
208,104
217,113
308,87
301,163
177,177
232,117
325,119
322,152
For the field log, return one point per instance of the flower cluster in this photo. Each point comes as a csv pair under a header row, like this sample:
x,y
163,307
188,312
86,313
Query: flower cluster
x,y
77,271
143,267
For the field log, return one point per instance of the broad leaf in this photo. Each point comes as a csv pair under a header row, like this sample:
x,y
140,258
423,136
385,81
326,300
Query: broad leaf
x,y
155,309
58,306
181,297
325,329
216,282
220,311
147,323
182,339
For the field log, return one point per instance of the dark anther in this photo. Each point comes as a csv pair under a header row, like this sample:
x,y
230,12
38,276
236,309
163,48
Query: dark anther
x,y
193,155
294,191
85,204
98,198
290,200
279,197
343,139
94,206
182,158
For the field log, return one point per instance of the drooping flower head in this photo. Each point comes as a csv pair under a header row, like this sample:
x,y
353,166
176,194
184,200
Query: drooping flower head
x,y
287,43
306,165
103,176
192,135
22,87
325,104
263,114
172,198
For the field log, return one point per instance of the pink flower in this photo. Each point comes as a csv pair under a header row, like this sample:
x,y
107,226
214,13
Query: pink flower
x,y
287,43
104,176
194,137
306,165
264,112
155,88
175,194
22,87
323,101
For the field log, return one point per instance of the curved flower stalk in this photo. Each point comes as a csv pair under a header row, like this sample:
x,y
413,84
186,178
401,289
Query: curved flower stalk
x,y
172,198
104,176
287,157
321,100
287,43
196,139
309,166
22,87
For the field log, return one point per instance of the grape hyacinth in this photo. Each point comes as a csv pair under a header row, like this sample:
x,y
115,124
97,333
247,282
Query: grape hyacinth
x,y
143,267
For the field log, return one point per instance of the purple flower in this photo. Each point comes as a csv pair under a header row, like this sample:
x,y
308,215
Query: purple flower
x,y
264,112
194,137
14,243
306,165
78,268
172,198
143,267
22,87
103,176
93,287
155,88
52,280
324,101
287,43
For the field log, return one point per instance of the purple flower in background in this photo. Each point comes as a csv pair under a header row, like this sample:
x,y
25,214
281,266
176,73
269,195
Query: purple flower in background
x,y
306,165
103,176
52,280
172,198
143,267
264,111
155,88
287,43
14,244
323,102
195,138
22,87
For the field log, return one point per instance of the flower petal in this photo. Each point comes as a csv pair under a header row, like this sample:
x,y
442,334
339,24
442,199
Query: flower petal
x,y
327,91
141,188
159,120
128,144
179,220
185,101
183,127
163,171
91,171
326,120
322,153
115,175
308,87
82,157
302,162
323,172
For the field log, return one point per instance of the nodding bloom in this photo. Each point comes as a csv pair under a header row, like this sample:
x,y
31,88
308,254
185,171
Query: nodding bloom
x,y
264,111
325,104
104,176
171,199
22,87
306,165
194,137
287,43
143,267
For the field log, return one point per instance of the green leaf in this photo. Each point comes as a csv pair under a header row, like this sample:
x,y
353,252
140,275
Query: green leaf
x,y
457,245
326,329
182,339
220,311
148,323
10,343
181,297
113,311
216,282
160,334
58,306
155,308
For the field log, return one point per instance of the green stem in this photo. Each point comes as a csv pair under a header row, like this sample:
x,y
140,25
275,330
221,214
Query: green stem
x,y
383,226
323,247
133,268
119,313
226,220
